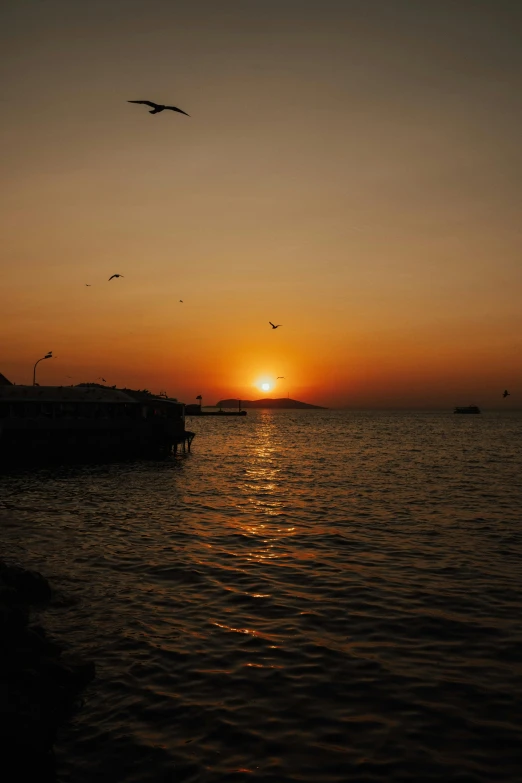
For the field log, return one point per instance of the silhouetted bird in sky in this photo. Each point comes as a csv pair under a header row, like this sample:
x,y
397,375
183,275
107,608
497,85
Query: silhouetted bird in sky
x,y
87,285
110,278
157,107
506,393
280,377
181,300
274,326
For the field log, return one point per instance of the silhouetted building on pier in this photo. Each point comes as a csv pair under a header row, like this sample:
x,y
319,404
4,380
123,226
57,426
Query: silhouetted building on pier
x,y
91,421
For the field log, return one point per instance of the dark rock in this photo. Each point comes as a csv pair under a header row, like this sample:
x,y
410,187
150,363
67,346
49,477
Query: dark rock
x,y
31,585
27,731
39,687
35,642
13,620
57,671
40,630
72,676
50,646
8,595
83,672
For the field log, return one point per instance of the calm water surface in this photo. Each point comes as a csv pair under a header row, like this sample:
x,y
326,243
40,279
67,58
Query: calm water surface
x,y
309,596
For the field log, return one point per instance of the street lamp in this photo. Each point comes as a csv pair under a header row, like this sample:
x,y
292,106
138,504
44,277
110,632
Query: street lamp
x,y
48,355
200,398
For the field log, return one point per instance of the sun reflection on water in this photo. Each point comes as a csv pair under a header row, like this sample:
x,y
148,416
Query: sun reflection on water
x,y
262,494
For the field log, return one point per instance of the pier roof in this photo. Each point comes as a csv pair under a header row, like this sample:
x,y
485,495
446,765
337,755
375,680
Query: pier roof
x,y
64,394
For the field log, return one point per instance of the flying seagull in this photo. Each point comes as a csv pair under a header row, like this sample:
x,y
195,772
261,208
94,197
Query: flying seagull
x,y
87,285
280,376
506,393
274,326
157,107
110,278
181,300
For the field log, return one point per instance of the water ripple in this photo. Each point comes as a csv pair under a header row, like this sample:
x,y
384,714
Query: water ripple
x,y
308,596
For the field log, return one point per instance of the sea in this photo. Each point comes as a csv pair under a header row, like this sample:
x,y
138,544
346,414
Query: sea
x,y
310,596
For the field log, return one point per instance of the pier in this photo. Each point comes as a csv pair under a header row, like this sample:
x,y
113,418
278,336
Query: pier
x,y
197,409
184,441
200,412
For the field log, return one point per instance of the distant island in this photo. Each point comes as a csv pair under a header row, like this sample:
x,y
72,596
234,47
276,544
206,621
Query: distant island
x,y
282,402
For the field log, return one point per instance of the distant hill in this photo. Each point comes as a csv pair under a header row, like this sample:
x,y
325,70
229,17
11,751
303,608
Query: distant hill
x,y
282,402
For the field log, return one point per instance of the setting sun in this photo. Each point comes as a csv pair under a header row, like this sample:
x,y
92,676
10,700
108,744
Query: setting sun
x,y
265,386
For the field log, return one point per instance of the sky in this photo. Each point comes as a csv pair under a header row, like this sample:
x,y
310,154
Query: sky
x,y
351,169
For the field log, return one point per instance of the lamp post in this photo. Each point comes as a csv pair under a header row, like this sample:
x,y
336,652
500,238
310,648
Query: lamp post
x,y
48,355
200,398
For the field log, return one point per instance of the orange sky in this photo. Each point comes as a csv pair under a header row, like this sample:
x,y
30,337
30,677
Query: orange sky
x,y
351,170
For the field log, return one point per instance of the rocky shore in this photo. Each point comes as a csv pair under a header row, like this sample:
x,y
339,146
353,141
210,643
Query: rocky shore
x,y
40,682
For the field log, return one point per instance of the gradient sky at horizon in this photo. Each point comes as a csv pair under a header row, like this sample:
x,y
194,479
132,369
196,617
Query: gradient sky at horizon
x,y
351,170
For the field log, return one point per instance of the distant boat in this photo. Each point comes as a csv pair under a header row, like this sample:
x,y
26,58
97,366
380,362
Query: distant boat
x,y
467,409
